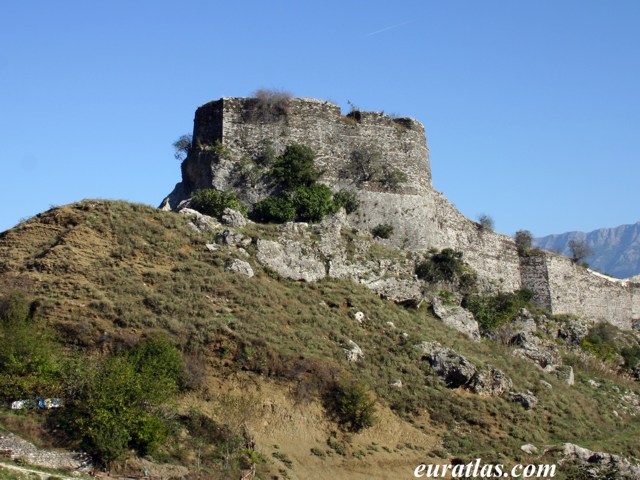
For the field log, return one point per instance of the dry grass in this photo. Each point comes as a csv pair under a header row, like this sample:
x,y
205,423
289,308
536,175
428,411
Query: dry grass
x,y
106,273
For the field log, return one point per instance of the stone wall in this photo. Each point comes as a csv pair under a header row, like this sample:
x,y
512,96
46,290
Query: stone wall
x,y
561,286
422,217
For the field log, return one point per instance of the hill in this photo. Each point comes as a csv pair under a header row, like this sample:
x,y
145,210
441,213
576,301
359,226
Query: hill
x,y
269,363
616,251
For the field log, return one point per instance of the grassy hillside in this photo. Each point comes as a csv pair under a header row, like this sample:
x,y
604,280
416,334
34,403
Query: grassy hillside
x,y
264,357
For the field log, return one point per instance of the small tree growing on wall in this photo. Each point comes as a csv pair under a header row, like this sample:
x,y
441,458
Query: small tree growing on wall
x,y
182,147
579,250
524,241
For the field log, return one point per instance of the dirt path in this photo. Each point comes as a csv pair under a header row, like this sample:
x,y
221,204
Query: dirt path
x,y
27,470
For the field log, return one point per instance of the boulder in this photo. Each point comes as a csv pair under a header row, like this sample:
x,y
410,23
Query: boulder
x,y
354,352
229,238
490,381
528,448
528,400
564,372
572,330
453,368
200,222
358,317
600,463
241,267
290,260
456,317
541,352
233,218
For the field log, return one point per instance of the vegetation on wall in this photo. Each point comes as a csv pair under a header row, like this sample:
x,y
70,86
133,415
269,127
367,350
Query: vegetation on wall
x,y
298,195
366,166
493,311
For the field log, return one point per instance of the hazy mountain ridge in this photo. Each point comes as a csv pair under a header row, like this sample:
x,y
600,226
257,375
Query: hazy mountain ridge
x,y
616,250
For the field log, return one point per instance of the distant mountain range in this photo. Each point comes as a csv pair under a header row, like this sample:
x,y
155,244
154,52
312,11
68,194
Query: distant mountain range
x,y
616,251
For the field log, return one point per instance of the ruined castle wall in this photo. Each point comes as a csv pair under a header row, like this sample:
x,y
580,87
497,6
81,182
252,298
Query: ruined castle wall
x,y
245,124
535,277
422,218
595,297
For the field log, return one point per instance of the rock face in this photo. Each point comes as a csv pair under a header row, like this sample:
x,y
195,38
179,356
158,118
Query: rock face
x,y
231,135
241,267
456,317
600,462
456,371
527,400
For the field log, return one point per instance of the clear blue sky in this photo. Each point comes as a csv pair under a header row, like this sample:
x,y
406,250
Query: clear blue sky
x,y
532,107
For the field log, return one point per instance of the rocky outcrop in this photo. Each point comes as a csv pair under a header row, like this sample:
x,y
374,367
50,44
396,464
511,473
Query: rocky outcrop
x,y
230,136
456,371
600,464
200,222
456,317
241,267
528,400
233,218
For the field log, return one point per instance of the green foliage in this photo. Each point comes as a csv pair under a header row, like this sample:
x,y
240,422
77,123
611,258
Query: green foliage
x,y
295,168
275,210
312,203
524,241
631,356
220,149
384,230
28,364
601,341
117,409
347,199
446,266
493,311
212,202
353,405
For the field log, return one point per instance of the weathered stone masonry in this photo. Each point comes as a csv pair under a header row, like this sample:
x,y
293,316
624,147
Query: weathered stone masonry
x,y
422,217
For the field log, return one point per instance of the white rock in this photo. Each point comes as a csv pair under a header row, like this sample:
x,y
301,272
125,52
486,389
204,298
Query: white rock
x,y
528,448
241,267
354,352
359,317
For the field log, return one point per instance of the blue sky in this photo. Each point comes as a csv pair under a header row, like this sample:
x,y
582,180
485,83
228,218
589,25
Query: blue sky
x,y
532,108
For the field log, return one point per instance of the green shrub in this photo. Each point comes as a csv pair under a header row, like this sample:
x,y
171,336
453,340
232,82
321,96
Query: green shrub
x,y
601,341
212,202
446,266
631,356
353,405
524,241
313,202
182,146
28,352
295,168
384,230
275,210
493,311
116,408
347,199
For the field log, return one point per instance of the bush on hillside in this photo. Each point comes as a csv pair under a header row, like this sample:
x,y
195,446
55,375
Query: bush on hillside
x,y
312,203
117,408
384,230
446,266
493,311
212,202
274,210
353,405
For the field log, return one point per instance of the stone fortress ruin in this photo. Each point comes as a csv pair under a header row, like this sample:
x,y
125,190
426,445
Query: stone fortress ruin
x,y
230,132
